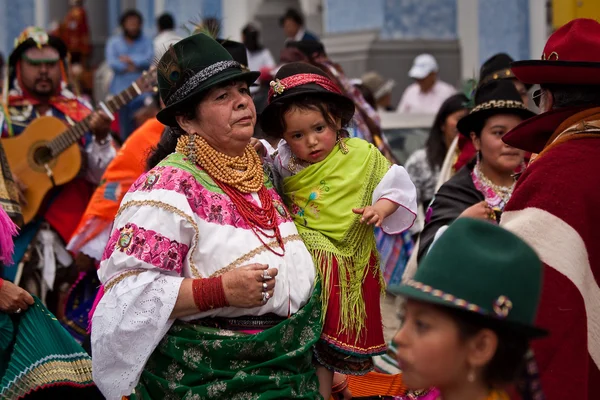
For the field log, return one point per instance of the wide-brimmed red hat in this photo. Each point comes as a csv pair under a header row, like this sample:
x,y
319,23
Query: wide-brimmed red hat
x,y
571,57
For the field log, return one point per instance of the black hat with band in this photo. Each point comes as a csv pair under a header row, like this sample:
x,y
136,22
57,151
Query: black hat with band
x,y
496,97
190,68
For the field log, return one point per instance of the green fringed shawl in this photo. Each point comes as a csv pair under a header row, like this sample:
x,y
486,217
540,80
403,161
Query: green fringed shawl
x,y
321,198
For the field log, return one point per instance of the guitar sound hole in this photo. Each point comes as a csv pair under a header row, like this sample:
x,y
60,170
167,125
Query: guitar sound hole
x,y
42,155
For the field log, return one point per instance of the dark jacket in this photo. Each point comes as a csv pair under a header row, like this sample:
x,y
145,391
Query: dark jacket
x,y
453,197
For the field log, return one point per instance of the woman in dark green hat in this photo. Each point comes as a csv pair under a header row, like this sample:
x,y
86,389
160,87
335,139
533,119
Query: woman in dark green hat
x,y
208,290
469,313
482,188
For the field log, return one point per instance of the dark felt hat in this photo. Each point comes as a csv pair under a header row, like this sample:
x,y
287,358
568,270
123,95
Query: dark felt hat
x,y
497,67
481,268
190,68
283,94
497,97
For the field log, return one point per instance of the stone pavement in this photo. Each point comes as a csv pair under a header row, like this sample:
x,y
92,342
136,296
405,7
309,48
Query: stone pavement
x,y
389,312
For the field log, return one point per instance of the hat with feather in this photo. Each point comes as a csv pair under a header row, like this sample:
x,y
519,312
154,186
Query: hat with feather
x,y
190,68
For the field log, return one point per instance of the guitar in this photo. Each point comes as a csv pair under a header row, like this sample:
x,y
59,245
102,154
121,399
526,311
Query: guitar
x,y
46,154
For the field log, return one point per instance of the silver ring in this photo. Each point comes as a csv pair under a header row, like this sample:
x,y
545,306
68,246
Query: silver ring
x,y
266,275
18,311
265,297
264,286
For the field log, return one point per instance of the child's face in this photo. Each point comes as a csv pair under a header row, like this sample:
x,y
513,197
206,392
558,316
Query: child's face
x,y
430,352
308,135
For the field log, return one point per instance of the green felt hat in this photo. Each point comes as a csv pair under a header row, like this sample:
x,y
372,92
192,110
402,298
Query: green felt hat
x,y
482,268
191,67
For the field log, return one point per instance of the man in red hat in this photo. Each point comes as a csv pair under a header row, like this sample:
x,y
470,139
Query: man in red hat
x,y
555,205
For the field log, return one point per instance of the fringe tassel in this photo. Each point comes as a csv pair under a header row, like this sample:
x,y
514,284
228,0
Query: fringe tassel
x,y
352,271
7,230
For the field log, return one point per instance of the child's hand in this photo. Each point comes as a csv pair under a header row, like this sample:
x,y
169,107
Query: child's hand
x,y
258,146
370,215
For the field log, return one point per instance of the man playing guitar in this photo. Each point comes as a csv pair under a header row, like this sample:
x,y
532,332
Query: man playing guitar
x,y
38,87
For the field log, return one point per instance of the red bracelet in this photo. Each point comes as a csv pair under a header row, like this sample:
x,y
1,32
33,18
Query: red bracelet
x,y
209,293
1,282
339,387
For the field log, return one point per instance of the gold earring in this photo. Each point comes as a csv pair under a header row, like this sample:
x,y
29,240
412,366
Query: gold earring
x,y
293,164
191,148
343,146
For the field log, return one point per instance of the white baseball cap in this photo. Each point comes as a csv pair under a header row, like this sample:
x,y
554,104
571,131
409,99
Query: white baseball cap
x,y
423,65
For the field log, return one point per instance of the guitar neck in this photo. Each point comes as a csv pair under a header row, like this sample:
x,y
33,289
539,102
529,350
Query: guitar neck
x,y
74,133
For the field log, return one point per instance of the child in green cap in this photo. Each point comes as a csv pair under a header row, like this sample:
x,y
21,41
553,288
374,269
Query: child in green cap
x,y
469,313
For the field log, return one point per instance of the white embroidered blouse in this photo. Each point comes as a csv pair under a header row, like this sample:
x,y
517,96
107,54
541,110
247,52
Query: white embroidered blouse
x,y
175,223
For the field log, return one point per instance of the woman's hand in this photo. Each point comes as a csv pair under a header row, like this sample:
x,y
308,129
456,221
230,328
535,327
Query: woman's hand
x,y
244,286
479,210
14,299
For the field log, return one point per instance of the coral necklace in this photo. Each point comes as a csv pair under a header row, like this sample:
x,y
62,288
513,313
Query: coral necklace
x,y
235,176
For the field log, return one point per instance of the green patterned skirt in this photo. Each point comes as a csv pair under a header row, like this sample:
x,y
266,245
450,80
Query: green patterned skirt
x,y
195,362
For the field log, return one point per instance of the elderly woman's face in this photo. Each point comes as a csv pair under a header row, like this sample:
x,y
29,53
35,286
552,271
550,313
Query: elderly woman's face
x,y
225,118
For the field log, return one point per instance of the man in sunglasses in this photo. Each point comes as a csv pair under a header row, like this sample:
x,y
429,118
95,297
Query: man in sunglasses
x,y
37,87
555,205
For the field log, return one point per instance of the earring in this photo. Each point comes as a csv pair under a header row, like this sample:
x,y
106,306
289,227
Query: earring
x,y
293,164
343,146
478,156
192,153
471,375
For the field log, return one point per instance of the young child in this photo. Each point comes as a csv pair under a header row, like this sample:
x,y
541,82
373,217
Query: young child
x,y
337,189
469,315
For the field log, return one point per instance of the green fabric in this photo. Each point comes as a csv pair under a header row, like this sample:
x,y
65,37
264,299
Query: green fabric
x,y
321,198
194,362
42,354
477,266
184,60
177,160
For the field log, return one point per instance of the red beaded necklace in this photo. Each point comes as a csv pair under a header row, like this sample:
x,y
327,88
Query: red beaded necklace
x,y
259,218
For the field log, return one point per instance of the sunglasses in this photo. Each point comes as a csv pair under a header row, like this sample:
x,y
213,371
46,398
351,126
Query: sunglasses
x,y
536,96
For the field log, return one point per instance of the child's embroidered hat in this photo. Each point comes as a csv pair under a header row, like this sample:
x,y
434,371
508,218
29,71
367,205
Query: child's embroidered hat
x,y
297,80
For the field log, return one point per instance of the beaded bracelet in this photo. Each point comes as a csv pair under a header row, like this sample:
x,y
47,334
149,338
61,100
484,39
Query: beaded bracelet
x,y
209,293
337,388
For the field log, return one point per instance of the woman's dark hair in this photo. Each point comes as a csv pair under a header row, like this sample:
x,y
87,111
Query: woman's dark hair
x,y
574,95
168,141
329,109
435,147
252,38
368,95
508,363
131,13
165,22
292,14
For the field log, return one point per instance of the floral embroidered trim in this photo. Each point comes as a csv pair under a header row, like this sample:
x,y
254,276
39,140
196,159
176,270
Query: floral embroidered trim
x,y
380,348
246,257
149,246
460,303
200,77
174,210
114,280
502,306
211,206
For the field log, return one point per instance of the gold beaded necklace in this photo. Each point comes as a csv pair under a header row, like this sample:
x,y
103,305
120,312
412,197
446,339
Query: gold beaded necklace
x,y
504,192
244,173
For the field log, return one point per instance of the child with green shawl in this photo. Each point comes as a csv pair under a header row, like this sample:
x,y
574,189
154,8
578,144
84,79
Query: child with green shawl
x,y
337,189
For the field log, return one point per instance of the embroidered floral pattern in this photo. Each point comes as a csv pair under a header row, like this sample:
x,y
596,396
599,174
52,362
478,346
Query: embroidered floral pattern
x,y
211,206
148,246
302,206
